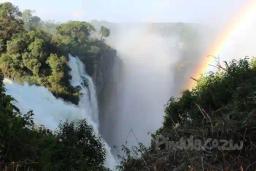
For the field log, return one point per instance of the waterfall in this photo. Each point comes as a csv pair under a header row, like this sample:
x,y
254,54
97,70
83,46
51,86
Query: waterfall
x,y
88,99
49,110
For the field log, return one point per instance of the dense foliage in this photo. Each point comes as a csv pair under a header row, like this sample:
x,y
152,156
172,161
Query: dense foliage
x,y
223,107
24,145
30,52
78,148
79,39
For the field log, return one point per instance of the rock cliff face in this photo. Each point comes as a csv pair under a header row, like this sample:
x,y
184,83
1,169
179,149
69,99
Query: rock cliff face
x,y
108,95
103,69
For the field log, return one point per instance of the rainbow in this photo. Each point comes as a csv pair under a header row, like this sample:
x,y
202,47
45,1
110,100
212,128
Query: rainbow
x,y
221,40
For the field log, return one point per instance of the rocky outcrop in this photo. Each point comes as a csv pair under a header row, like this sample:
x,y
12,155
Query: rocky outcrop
x,y
103,69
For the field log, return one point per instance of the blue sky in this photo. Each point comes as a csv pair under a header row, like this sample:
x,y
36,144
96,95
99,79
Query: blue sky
x,y
132,10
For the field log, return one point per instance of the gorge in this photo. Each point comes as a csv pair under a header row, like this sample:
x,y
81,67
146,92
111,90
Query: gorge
x,y
152,63
127,85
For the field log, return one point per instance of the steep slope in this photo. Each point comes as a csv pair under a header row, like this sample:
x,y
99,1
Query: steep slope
x,y
211,127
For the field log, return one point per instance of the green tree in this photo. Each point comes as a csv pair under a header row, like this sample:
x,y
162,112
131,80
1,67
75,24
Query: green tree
x,y
74,37
37,49
104,32
77,148
57,77
17,44
10,22
30,21
77,30
18,138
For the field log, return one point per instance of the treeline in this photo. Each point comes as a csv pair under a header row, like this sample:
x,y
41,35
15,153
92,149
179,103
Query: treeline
x,y
222,107
26,146
31,52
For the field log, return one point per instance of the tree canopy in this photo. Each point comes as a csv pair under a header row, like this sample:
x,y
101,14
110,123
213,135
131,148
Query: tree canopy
x,y
30,52
105,32
10,23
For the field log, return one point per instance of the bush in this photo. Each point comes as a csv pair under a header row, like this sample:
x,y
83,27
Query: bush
x,y
223,107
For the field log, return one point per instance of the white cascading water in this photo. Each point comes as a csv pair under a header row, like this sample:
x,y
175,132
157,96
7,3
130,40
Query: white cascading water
x,y
88,101
49,110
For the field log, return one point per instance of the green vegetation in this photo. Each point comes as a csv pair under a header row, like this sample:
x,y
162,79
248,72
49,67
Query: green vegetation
x,y
25,146
30,52
76,38
104,32
221,106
